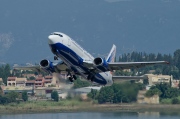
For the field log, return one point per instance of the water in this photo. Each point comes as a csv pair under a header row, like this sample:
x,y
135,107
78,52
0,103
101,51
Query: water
x,y
93,115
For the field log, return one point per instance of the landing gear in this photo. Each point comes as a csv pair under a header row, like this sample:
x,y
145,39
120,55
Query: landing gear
x,y
90,77
55,58
70,79
74,77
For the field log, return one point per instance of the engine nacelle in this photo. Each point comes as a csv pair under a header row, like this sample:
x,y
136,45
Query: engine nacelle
x,y
101,64
47,65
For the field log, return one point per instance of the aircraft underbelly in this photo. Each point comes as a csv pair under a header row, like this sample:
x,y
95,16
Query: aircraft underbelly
x,y
75,63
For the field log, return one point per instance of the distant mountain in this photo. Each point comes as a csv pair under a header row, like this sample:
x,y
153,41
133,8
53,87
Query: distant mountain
x,y
141,25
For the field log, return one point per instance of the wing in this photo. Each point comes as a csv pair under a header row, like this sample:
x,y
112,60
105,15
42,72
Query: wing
x,y
129,65
128,77
34,68
56,67
119,65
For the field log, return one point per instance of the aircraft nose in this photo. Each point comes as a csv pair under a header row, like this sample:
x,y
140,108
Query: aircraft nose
x,y
52,39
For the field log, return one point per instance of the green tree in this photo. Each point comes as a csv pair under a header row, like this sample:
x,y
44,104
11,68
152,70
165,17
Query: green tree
x,y
175,101
25,96
177,58
117,93
106,94
93,94
145,81
1,92
125,92
171,93
55,96
158,71
154,91
78,83
5,72
117,97
163,87
12,96
101,97
32,78
3,100
164,90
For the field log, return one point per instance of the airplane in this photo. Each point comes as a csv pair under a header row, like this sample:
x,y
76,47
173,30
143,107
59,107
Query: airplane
x,y
75,60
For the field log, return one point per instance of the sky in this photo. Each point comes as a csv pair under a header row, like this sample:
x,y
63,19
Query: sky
x,y
151,26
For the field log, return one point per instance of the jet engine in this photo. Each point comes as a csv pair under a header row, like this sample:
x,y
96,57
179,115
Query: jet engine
x,y
47,65
101,64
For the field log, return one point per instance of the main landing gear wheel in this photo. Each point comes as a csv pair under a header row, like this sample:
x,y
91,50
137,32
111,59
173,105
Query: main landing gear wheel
x,y
90,77
74,77
70,79
55,58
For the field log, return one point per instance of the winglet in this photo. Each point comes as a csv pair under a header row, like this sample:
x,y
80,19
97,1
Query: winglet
x,y
111,56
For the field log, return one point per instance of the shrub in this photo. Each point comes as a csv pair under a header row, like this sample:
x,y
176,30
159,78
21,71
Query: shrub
x,y
55,96
166,101
175,101
25,96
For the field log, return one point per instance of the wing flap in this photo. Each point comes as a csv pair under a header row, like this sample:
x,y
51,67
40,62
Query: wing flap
x,y
58,67
34,68
128,77
129,65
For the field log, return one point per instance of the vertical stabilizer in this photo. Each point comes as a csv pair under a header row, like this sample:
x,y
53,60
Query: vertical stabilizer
x,y
111,56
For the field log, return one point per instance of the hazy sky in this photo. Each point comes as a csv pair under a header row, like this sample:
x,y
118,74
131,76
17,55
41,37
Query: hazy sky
x,y
132,25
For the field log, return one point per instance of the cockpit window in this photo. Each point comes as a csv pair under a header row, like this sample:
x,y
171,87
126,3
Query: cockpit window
x,y
57,34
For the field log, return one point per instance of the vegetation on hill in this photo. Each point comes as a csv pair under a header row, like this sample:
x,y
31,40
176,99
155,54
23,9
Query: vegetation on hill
x,y
172,69
5,72
125,92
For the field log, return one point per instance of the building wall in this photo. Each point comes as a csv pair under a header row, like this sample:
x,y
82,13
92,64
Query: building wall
x,y
175,83
7,89
40,92
154,79
63,95
152,100
21,84
11,83
48,84
142,99
1,81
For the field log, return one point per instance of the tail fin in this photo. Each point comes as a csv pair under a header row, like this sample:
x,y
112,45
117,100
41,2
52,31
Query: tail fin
x,y
111,56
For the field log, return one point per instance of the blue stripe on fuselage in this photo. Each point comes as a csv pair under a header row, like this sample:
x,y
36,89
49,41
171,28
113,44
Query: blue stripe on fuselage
x,y
76,60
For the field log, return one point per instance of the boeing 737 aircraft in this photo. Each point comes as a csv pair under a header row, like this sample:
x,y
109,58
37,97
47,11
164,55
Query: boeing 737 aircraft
x,y
77,61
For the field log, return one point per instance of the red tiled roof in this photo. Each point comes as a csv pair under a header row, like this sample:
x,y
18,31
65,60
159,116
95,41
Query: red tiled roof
x,y
48,77
12,77
30,81
20,79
